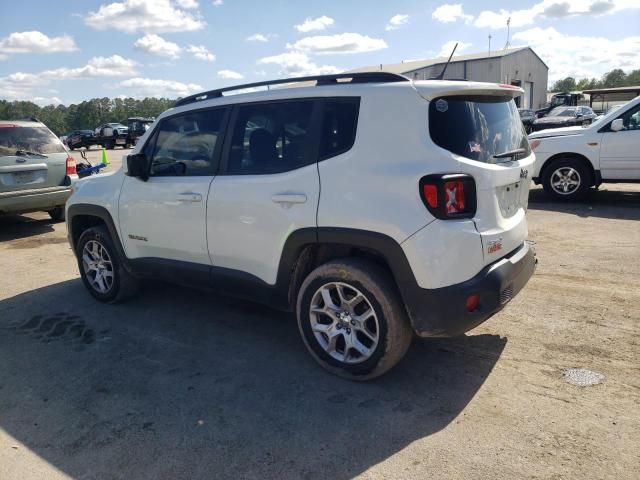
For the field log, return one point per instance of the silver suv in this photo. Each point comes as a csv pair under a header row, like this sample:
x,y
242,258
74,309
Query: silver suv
x,y
36,171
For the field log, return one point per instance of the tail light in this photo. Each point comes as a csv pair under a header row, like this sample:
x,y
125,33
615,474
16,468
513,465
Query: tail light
x,y
449,196
71,165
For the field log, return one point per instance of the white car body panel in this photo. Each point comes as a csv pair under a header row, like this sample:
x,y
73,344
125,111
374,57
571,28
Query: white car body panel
x,y
251,216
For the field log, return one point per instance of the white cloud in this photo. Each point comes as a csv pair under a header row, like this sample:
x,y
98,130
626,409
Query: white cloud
x,y
149,87
218,3
201,53
313,24
20,86
257,37
188,4
447,48
297,64
396,22
44,101
581,56
113,66
144,16
340,43
156,45
229,74
35,42
553,9
449,13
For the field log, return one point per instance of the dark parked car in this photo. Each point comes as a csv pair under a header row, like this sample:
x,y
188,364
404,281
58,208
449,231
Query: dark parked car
x,y
527,116
80,138
565,117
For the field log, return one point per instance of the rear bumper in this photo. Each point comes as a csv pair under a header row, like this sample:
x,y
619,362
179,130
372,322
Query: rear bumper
x,y
33,200
442,312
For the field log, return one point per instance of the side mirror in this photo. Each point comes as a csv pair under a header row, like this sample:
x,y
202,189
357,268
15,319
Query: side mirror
x,y
617,125
138,166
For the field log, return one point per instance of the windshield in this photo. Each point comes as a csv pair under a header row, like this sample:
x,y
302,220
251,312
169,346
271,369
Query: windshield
x,y
31,139
562,112
477,127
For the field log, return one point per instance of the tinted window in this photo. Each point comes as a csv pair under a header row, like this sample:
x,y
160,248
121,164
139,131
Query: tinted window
x,y
271,138
185,144
477,127
340,118
31,139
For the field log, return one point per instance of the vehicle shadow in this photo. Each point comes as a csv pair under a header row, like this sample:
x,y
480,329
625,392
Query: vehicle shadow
x,y
184,384
601,203
13,227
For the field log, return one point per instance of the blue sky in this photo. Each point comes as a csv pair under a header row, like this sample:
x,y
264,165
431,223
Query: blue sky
x,y
66,51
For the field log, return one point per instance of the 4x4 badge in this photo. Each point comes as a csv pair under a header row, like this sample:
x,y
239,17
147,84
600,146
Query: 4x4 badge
x,y
523,173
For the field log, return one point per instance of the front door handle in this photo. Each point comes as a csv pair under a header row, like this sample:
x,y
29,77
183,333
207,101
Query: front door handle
x,y
189,197
289,198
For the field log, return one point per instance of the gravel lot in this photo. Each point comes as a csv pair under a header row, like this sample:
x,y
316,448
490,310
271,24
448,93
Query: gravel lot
x,y
183,384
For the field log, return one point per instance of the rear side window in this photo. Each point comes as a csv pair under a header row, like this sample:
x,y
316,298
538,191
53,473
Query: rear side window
x,y
271,138
340,119
184,145
30,139
477,127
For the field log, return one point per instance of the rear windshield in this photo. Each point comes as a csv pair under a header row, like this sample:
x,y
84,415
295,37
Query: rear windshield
x,y
31,139
477,127
562,112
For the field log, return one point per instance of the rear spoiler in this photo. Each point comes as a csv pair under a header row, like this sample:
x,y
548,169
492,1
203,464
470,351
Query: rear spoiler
x,y
445,88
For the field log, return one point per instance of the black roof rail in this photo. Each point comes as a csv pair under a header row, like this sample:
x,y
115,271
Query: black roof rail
x,y
361,77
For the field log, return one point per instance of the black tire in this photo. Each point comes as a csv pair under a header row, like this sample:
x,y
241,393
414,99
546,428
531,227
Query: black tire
x,y
124,285
583,176
57,214
394,332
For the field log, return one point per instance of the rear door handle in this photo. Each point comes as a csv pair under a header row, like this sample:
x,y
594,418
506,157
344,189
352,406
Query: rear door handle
x,y
289,198
189,197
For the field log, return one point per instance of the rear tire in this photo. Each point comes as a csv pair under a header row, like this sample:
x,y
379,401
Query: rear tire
x,y
352,319
57,214
567,179
101,268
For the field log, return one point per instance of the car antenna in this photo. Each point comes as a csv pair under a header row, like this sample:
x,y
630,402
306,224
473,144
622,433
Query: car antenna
x,y
441,76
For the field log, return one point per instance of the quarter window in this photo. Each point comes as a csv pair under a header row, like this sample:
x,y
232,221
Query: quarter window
x,y
340,118
184,145
271,138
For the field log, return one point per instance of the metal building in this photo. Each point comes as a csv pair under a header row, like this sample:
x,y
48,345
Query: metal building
x,y
515,66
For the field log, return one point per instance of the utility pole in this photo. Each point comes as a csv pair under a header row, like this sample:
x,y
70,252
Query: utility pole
x,y
489,44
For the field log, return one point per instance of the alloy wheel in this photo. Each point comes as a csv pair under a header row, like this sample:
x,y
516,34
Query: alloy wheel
x,y
344,323
565,180
98,267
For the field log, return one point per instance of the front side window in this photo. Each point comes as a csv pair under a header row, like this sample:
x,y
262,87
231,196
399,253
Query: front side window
x,y
28,139
184,145
631,119
271,138
477,127
339,122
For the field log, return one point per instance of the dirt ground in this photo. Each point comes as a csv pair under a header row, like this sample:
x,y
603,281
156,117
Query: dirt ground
x,y
184,384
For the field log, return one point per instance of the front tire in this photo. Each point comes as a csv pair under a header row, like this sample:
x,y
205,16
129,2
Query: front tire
x,y
352,319
101,267
567,179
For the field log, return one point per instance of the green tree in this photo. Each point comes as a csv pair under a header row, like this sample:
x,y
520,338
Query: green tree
x,y
565,85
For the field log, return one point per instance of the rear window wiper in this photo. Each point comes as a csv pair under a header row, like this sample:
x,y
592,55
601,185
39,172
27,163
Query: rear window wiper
x,y
510,153
27,152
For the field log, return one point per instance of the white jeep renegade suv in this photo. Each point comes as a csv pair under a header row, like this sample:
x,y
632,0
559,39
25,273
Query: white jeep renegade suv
x,y
371,205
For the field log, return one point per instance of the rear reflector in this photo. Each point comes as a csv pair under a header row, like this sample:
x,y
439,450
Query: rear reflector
x,y
473,302
449,196
71,165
